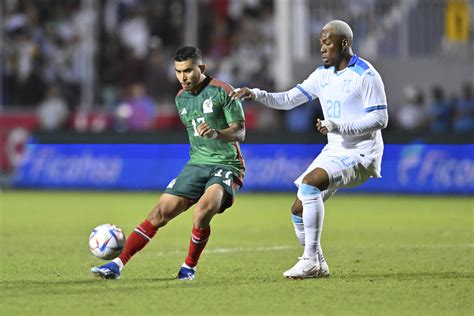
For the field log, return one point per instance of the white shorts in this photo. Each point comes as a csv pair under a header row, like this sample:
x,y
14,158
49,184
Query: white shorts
x,y
345,169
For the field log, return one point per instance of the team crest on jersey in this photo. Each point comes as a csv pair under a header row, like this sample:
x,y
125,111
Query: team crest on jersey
x,y
183,111
207,106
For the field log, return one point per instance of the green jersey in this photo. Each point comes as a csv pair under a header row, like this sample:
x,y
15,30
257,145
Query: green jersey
x,y
213,105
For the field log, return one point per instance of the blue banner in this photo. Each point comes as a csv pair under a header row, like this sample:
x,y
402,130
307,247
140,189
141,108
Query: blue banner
x,y
99,166
418,169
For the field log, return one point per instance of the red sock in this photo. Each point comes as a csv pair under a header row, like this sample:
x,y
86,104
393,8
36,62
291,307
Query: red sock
x,y
197,244
137,240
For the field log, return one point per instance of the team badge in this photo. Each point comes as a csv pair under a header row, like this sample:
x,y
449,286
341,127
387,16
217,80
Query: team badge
x,y
207,106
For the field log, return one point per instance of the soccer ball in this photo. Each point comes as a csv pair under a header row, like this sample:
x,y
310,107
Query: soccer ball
x,y
106,241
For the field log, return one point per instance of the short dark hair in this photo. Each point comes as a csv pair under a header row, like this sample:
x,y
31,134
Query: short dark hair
x,y
188,52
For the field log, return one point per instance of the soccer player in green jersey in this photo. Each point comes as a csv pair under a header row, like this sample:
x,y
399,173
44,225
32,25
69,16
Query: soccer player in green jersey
x,y
214,172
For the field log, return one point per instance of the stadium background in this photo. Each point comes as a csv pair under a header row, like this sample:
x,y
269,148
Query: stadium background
x,y
83,71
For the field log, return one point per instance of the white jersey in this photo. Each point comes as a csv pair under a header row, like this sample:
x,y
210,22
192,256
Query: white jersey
x,y
346,96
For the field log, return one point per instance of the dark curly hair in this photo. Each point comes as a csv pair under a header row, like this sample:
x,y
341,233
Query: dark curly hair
x,y
188,52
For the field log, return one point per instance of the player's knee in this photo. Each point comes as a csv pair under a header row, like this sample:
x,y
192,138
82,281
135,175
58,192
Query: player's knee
x,y
158,217
308,192
297,208
318,178
203,215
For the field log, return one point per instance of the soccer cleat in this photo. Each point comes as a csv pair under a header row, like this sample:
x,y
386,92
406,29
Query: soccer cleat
x,y
186,273
305,268
324,268
108,271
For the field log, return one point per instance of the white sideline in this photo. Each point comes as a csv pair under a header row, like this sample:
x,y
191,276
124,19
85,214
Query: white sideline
x,y
466,245
230,250
286,247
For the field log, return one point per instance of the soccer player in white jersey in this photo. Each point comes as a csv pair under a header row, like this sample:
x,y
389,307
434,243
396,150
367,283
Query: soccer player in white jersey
x,y
352,96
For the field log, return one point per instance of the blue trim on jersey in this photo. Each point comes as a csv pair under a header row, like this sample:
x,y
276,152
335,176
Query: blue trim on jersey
x,y
306,189
296,219
373,108
304,92
358,70
358,65
353,60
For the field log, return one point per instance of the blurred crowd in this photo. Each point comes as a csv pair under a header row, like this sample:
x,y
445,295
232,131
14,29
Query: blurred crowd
x,y
435,111
108,65
51,44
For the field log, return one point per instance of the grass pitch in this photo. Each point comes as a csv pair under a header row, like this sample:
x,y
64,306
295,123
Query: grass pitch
x,y
388,256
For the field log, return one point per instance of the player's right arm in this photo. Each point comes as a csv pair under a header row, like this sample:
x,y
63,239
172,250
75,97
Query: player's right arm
x,y
235,132
287,100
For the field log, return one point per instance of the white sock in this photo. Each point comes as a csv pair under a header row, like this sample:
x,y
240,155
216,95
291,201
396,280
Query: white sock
x,y
313,218
119,263
188,267
320,254
298,220
299,227
299,231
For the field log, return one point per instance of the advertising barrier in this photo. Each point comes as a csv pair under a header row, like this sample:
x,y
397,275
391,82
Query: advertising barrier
x,y
416,169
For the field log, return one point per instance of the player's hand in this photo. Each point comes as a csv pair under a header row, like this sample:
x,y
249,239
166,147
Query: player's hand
x,y
204,130
242,93
325,126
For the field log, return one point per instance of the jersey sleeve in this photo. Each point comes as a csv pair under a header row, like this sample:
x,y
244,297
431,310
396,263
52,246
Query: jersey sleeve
x,y
369,123
233,110
310,86
373,92
300,94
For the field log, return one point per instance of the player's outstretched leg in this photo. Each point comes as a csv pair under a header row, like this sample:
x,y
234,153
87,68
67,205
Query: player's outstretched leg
x,y
135,242
199,238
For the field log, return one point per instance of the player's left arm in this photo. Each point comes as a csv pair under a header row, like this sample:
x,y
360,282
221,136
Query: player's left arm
x,y
370,122
375,106
235,132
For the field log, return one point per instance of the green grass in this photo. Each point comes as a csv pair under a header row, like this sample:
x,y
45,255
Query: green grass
x,y
387,255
